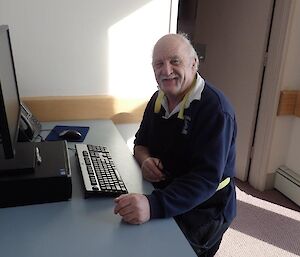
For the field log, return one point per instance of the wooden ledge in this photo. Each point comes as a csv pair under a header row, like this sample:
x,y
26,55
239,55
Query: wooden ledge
x,y
289,103
55,108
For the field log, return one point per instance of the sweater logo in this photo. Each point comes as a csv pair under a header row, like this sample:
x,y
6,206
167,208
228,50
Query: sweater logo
x,y
187,121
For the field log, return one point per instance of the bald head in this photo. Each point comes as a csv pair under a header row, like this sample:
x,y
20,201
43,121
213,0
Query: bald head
x,y
174,41
175,64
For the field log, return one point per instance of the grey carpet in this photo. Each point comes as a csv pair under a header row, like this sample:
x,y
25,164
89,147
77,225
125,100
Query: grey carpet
x,y
267,225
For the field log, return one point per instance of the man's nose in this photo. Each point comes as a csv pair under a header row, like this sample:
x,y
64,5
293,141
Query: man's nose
x,y
167,69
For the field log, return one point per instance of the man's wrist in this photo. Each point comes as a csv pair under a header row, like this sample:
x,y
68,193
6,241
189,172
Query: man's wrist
x,y
144,161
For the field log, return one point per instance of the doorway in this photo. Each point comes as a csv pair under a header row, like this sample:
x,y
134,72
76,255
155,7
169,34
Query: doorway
x,y
231,38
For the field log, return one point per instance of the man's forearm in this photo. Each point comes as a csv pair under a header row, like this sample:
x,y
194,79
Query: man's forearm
x,y
141,153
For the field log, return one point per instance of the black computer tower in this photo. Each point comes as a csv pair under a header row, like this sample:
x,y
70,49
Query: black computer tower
x,y
49,181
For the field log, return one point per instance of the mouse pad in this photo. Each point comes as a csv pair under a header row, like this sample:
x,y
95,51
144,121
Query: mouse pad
x,y
54,133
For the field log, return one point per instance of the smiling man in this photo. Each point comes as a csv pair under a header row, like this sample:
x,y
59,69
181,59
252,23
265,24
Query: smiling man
x,y
186,148
175,65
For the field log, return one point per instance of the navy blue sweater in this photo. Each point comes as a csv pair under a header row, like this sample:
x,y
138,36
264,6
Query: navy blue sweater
x,y
197,154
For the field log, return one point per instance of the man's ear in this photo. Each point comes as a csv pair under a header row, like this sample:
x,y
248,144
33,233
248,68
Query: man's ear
x,y
195,64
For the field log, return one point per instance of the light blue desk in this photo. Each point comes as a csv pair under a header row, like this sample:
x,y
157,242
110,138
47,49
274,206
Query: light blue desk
x,y
88,227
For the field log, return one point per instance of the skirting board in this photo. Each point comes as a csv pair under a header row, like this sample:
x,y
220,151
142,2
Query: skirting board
x,y
288,183
54,108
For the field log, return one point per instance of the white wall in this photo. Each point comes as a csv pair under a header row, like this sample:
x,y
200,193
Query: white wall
x,y
80,47
286,141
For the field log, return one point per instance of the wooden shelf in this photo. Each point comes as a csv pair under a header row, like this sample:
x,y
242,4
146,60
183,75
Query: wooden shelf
x,y
289,103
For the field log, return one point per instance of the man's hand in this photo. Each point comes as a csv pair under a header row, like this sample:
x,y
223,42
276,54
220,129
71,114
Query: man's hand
x,y
134,208
152,170
151,167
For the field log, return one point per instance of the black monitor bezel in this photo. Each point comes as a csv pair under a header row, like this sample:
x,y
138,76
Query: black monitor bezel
x,y
8,145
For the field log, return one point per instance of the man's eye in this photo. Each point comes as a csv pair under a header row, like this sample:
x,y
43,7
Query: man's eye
x,y
175,61
158,64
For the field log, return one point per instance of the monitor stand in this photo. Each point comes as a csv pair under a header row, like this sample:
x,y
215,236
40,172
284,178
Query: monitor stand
x,y
23,163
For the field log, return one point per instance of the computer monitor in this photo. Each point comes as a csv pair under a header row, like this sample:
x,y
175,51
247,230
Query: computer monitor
x,y
9,96
15,158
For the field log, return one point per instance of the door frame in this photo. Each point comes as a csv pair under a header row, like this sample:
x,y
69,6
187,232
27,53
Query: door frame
x,y
271,87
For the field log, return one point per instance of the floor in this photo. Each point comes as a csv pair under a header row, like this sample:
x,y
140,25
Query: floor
x,y
267,224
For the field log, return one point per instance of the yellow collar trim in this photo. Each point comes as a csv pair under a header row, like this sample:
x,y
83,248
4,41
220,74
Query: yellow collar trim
x,y
158,101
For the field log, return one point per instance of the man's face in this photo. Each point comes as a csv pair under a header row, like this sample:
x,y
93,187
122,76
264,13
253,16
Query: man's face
x,y
173,65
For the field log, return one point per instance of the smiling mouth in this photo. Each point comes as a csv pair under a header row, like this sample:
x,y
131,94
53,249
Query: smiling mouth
x,y
168,79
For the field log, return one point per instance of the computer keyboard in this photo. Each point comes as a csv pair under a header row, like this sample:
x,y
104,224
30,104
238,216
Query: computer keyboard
x,y
99,172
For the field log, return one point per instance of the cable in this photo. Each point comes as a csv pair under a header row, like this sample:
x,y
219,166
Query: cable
x,y
42,139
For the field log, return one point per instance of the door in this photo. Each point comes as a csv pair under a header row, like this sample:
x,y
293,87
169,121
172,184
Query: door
x,y
232,36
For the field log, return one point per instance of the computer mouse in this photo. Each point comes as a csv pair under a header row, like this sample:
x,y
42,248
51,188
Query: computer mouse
x,y
70,134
